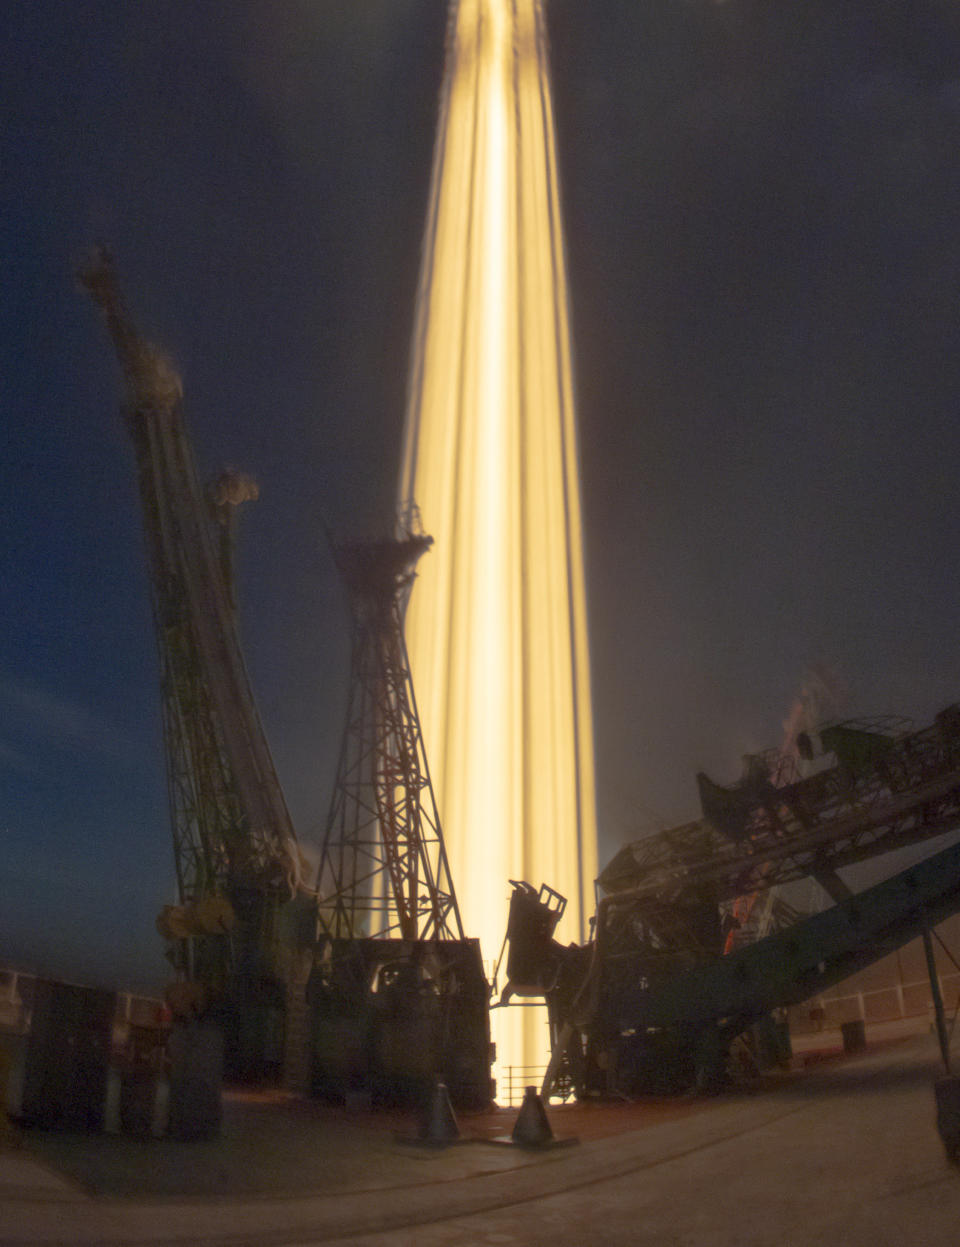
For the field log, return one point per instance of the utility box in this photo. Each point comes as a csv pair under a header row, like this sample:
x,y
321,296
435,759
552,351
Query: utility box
x,y
195,1052
68,1053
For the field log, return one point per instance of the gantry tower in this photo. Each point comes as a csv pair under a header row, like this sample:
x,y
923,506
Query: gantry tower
x,y
398,994
234,844
384,870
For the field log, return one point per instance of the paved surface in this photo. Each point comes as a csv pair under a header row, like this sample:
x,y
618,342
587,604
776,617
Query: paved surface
x,y
846,1154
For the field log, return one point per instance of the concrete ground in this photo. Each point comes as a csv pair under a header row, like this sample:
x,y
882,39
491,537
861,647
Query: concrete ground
x,y
843,1152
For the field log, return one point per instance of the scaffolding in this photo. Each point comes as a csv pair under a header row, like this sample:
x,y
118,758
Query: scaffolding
x,y
384,870
235,849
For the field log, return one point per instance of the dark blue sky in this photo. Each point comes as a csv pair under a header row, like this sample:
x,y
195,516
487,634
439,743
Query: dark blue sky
x,y
761,207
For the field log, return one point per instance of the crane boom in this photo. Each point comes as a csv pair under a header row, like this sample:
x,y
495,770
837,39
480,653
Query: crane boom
x,y
232,830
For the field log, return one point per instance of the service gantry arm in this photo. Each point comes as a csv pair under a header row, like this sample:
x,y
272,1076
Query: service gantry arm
x,y
232,832
888,789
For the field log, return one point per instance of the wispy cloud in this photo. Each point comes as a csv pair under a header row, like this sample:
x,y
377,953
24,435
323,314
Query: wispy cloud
x,y
55,720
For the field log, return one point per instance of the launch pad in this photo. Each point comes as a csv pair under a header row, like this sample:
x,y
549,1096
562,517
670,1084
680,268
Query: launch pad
x,y
381,987
845,1153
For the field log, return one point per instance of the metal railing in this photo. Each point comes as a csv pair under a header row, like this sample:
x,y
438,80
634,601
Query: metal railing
x,y
514,1081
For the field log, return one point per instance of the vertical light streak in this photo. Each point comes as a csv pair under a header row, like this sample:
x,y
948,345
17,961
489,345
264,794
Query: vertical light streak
x,y
496,627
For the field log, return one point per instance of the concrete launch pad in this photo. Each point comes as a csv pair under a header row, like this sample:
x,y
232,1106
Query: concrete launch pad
x,y
844,1151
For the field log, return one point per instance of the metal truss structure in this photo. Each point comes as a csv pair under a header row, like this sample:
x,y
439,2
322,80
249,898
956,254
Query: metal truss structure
x,y
888,788
232,834
653,1003
384,870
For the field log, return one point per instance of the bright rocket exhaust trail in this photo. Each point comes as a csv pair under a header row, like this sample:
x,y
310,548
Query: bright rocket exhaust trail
x,y
496,628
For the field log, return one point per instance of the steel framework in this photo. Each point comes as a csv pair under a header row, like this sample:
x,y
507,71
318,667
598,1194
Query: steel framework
x,y
384,870
888,788
652,1003
232,834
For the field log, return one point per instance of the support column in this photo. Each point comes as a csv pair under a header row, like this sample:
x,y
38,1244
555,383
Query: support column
x,y
942,1035
297,1038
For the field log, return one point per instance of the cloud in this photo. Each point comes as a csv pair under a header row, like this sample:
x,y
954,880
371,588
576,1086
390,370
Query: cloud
x,y
57,721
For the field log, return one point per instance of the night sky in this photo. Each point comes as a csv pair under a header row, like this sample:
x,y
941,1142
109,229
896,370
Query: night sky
x,y
763,231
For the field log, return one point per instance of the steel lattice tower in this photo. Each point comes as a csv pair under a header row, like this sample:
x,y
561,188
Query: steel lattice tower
x,y
384,870
232,835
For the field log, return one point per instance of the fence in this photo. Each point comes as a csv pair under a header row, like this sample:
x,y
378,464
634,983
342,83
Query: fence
x,y
514,1080
16,1004
882,1004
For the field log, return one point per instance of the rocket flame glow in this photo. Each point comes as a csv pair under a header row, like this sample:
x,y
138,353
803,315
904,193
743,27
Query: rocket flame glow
x,y
496,627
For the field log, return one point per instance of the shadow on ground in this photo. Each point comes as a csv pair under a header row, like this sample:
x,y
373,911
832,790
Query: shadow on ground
x,y
277,1146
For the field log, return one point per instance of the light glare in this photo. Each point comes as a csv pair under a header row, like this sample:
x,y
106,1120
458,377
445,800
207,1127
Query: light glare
x,y
496,628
